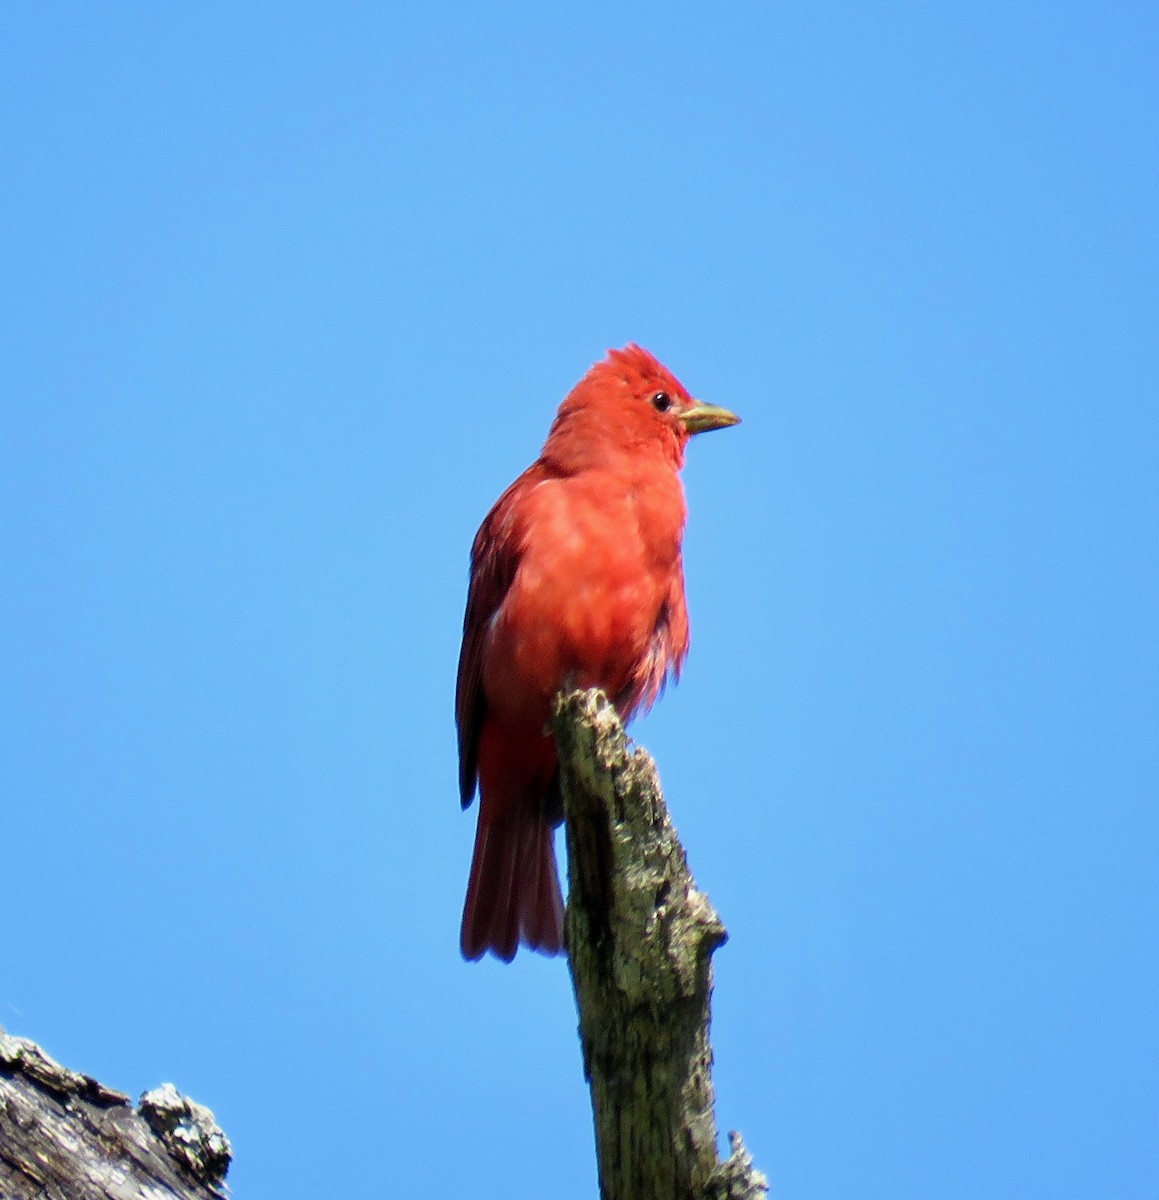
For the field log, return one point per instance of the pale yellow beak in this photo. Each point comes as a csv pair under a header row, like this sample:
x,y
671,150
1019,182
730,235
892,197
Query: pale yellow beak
x,y
701,417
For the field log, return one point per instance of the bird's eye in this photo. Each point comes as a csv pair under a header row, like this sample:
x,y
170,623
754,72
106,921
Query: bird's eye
x,y
661,402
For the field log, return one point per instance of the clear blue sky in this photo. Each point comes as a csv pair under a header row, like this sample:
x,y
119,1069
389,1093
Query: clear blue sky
x,y
291,293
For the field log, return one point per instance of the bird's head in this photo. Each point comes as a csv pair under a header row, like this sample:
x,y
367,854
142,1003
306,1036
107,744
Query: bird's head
x,y
629,404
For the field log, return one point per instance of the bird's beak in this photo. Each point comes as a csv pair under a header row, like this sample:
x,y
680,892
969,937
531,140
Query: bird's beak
x,y
702,417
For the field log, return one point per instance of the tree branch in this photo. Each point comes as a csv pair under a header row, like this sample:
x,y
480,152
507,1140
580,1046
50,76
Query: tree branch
x,y
640,939
65,1136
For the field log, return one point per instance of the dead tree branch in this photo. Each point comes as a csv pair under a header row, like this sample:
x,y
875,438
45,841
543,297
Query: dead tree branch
x,y
64,1136
640,939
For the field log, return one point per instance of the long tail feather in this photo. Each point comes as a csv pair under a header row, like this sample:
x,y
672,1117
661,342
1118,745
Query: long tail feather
x,y
514,895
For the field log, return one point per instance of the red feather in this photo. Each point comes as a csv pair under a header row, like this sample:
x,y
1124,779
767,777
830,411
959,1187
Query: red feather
x,y
576,578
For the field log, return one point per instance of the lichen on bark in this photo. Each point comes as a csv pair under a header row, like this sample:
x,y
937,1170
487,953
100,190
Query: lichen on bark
x,y
640,939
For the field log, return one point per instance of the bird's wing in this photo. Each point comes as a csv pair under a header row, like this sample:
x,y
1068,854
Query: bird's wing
x,y
495,558
666,649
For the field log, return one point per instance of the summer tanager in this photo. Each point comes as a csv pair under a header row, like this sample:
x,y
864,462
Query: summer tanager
x,y
576,580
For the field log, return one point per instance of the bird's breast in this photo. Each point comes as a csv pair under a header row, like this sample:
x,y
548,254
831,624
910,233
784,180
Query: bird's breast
x,y
594,575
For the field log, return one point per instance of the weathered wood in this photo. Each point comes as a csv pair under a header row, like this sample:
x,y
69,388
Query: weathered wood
x,y
64,1136
640,941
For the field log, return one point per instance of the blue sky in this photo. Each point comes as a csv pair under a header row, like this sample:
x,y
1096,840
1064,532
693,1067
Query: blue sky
x,y
291,294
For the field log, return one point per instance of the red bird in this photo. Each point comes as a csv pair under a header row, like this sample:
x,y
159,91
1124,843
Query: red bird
x,y
576,579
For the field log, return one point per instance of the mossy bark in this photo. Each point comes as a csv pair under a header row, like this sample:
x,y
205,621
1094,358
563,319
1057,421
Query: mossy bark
x,y
640,940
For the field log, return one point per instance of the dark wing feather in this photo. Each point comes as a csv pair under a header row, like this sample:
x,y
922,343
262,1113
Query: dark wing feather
x,y
494,560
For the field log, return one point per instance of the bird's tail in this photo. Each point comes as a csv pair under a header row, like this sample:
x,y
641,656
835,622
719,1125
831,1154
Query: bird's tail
x,y
514,893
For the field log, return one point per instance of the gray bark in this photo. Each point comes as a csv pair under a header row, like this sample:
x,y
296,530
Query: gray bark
x,y
640,940
64,1136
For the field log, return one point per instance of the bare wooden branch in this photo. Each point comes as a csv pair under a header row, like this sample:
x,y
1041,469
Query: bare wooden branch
x,y
640,942
64,1136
